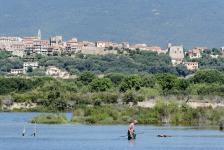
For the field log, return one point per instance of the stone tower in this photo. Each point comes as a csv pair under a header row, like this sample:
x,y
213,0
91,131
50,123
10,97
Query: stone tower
x,y
176,54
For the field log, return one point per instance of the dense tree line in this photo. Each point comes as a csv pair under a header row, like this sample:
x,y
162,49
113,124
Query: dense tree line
x,y
89,89
135,62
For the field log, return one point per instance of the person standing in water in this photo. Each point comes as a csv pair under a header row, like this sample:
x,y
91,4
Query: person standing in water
x,y
221,126
35,129
131,130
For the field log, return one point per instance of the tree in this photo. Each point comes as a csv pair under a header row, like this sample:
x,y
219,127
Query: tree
x,y
29,69
182,70
148,81
5,54
116,78
132,96
208,76
216,51
131,82
183,84
102,84
87,77
110,48
167,82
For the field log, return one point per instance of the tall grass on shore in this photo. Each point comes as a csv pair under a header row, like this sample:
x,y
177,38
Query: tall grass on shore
x,y
163,113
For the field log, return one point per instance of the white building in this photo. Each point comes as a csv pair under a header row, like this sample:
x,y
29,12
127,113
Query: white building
x,y
26,65
17,49
41,47
125,45
100,44
6,42
191,65
194,54
72,45
16,71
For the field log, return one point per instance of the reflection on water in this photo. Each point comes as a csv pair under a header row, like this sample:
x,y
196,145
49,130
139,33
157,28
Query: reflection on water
x,y
83,137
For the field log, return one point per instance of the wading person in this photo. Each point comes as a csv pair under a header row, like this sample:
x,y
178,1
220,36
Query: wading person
x,y
131,130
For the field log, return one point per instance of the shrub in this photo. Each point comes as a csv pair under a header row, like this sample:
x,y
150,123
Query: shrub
x,y
131,96
49,119
87,77
100,84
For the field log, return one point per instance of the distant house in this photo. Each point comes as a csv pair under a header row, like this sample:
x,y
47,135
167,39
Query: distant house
x,y
177,54
100,44
72,45
26,65
191,65
17,49
57,73
41,47
194,53
201,49
139,46
56,40
125,45
16,71
214,56
6,42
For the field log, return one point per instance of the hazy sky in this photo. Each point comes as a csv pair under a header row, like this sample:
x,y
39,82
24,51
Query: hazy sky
x,y
157,22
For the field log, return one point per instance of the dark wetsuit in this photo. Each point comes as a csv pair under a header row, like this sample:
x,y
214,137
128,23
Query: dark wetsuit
x,y
131,137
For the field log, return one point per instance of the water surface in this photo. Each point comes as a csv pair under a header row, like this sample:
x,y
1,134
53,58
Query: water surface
x,y
87,137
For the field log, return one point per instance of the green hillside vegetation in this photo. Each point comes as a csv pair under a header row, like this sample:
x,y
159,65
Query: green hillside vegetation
x,y
88,89
135,62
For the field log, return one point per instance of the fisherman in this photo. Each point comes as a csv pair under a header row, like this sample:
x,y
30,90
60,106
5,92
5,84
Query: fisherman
x,y
35,129
131,130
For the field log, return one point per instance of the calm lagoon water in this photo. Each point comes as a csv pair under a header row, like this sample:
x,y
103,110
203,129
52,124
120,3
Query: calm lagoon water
x,y
83,137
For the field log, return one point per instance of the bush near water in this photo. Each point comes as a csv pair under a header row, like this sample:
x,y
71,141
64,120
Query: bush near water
x,y
49,119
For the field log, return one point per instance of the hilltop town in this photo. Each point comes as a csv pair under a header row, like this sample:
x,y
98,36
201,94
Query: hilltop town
x,y
27,48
